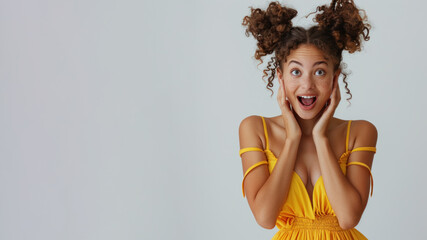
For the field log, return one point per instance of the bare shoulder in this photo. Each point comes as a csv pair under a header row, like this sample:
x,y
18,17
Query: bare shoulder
x,y
365,133
249,131
249,122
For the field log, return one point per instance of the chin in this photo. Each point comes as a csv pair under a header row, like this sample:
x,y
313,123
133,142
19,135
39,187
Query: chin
x,y
306,116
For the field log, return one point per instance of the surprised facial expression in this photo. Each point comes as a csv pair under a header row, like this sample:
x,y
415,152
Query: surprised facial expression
x,y
308,77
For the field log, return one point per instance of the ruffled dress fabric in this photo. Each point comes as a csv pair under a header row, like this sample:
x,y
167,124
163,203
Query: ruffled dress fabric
x,y
300,220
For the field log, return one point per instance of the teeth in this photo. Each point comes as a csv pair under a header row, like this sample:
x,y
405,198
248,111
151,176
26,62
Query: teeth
x,y
307,96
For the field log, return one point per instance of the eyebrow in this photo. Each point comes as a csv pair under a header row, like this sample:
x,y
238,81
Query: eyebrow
x,y
316,63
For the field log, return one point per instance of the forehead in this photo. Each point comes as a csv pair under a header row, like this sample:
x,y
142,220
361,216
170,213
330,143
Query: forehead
x,y
306,53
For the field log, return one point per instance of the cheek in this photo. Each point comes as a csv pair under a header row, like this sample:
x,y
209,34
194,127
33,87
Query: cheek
x,y
327,90
290,86
326,86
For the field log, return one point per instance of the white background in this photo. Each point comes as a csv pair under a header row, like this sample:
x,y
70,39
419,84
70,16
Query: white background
x,y
119,119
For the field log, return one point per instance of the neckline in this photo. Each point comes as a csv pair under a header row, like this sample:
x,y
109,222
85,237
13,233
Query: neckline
x,y
311,199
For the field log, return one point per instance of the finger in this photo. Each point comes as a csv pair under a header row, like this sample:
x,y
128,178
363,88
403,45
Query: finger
x,y
338,90
280,98
283,92
336,97
335,89
283,89
285,100
280,88
337,93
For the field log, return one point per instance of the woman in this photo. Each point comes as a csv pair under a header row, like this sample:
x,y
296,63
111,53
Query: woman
x,y
305,171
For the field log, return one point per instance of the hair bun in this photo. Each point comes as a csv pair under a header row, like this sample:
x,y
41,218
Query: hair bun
x,y
268,26
345,22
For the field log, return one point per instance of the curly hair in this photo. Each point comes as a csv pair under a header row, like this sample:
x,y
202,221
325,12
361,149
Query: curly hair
x,y
341,26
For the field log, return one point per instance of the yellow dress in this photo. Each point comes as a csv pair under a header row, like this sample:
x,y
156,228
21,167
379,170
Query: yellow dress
x,y
298,219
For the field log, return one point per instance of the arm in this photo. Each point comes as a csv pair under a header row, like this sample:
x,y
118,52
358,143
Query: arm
x,y
266,193
348,194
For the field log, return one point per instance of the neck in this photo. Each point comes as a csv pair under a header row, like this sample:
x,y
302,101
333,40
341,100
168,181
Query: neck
x,y
307,125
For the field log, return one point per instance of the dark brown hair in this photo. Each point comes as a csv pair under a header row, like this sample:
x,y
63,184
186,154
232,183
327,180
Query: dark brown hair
x,y
340,27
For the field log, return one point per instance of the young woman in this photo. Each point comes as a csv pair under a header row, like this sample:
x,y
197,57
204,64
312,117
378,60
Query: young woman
x,y
305,171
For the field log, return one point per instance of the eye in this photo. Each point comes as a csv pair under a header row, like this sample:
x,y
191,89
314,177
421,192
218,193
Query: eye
x,y
295,72
320,72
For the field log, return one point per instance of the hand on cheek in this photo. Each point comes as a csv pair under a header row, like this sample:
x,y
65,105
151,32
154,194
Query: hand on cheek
x,y
328,112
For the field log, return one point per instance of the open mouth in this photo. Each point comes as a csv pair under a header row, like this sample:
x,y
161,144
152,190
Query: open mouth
x,y
307,100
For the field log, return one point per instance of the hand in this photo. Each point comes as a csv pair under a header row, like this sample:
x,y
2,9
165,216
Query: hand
x,y
321,125
292,128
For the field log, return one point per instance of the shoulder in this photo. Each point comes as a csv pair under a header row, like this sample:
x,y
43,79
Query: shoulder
x,y
364,132
364,127
250,130
250,123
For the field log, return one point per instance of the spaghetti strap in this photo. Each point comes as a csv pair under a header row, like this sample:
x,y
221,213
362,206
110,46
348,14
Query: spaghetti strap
x,y
247,149
369,169
371,149
265,132
348,134
243,150
347,153
250,169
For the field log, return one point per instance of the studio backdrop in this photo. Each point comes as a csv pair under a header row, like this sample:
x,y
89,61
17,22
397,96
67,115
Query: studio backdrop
x,y
119,119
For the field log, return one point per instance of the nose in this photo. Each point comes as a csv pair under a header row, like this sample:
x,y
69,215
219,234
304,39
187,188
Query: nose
x,y
307,82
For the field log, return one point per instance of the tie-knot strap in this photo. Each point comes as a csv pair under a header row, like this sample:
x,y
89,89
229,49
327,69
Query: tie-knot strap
x,y
344,157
